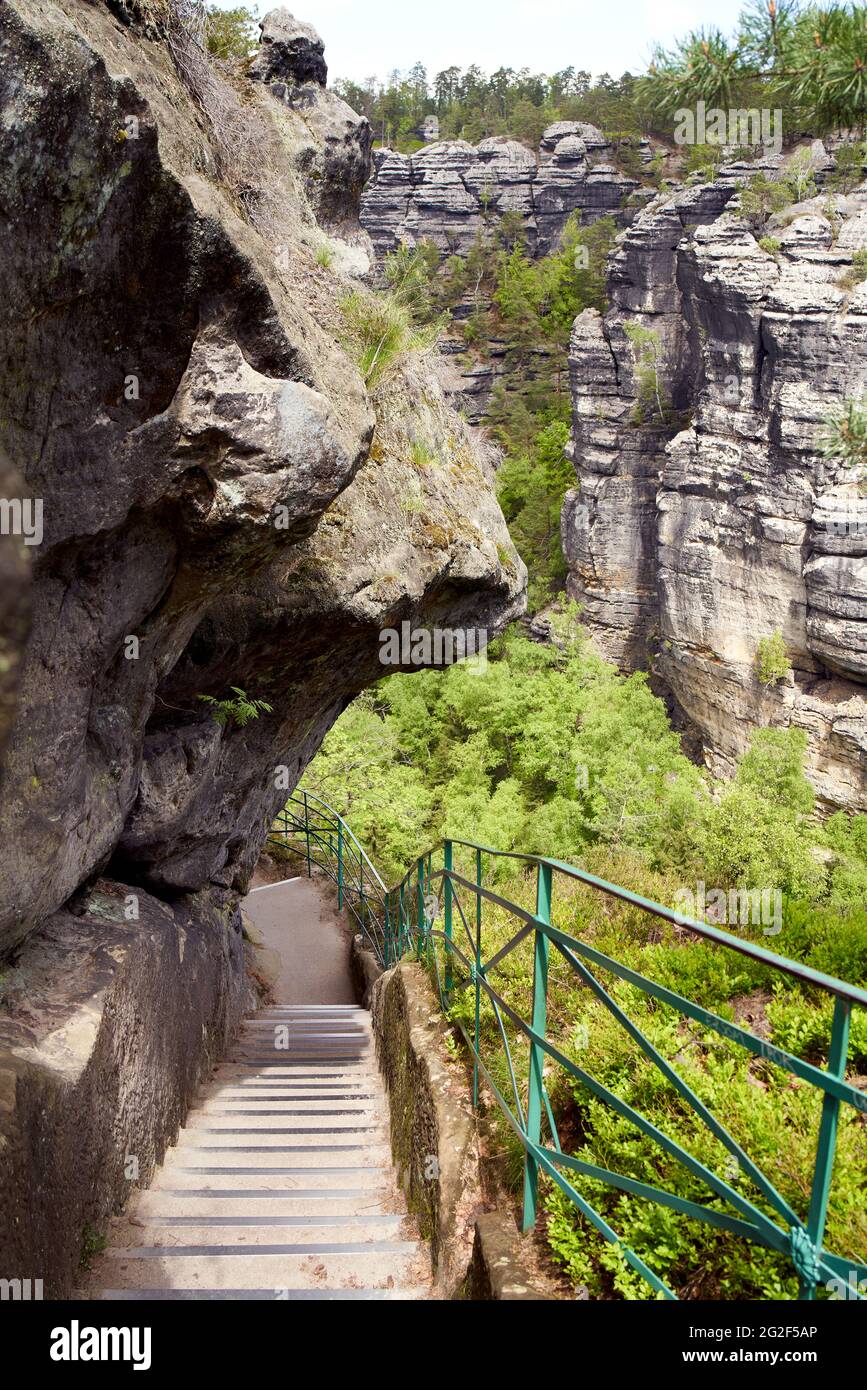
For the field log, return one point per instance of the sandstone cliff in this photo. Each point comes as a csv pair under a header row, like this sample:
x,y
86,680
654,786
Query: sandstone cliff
x,y
453,193
449,193
689,542
225,504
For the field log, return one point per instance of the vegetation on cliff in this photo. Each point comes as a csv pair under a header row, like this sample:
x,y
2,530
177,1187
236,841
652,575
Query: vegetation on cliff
x,y
550,750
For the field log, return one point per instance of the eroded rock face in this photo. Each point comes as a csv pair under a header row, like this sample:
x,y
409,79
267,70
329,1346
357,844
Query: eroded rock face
x,y
14,594
453,193
291,51
449,193
691,542
332,142
218,511
184,408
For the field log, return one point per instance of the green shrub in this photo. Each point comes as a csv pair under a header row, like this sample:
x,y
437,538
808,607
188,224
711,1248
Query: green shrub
x,y
844,434
771,245
231,34
762,197
849,167
237,710
857,272
772,659
381,333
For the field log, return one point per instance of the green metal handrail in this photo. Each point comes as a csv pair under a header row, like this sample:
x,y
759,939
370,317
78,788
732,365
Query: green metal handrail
x,y
404,924
313,830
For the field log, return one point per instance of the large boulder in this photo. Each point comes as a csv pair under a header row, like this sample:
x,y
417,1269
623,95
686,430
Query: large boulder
x,y
290,51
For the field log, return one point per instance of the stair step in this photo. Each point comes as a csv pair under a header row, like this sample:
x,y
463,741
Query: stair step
x,y
263,1182
198,1204
232,1155
204,1122
269,1295
291,1090
354,1148
260,1231
290,1265
291,1105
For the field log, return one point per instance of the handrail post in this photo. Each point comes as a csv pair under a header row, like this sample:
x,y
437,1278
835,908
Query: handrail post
x,y
340,862
387,939
447,913
420,908
824,1167
478,981
307,834
537,1054
400,919
361,904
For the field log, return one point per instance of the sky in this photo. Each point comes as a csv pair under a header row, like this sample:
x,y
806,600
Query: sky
x,y
372,37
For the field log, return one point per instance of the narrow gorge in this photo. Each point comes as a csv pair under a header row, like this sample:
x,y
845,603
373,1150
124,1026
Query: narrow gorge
x,y
303,383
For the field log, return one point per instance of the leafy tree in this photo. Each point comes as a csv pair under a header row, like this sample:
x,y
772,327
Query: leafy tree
x,y
650,403
772,659
231,34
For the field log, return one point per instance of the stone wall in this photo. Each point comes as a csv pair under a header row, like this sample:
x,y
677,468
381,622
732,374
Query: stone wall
x,y
433,1136
108,1029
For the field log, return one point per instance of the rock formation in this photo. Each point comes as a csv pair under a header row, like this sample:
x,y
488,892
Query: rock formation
x,y
689,542
331,143
451,192
225,504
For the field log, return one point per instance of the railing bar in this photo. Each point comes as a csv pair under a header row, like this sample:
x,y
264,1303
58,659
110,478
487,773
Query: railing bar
x,y
718,1130
592,1216
668,1199
515,1091
670,1146
510,946
551,1124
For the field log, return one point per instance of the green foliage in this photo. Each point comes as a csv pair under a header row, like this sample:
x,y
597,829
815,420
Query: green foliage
x,y
409,272
770,244
810,60
381,332
844,435
762,197
239,709
551,750
650,407
231,34
93,1243
472,105
857,273
531,485
772,659
702,162
849,167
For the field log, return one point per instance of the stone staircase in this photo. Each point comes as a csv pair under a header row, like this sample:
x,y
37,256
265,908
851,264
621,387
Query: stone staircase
x,y
281,1185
